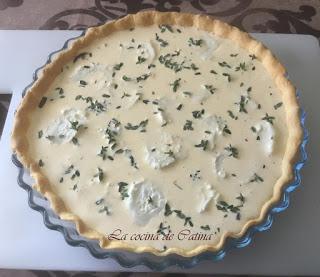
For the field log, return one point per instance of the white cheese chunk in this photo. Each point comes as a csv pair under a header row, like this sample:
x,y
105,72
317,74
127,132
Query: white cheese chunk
x,y
210,45
205,47
159,158
96,74
66,126
213,126
144,202
218,166
130,101
266,133
159,111
146,51
250,104
163,153
207,193
201,95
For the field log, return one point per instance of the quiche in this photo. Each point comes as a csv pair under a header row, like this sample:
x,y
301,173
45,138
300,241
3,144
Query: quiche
x,y
160,132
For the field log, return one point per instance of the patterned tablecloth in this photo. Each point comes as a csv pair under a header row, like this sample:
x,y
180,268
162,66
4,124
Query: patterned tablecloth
x,y
272,16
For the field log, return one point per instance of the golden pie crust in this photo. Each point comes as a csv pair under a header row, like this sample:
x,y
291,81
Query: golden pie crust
x,y
20,143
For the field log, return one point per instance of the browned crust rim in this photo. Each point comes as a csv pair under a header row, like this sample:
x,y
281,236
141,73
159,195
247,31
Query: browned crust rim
x,y
52,69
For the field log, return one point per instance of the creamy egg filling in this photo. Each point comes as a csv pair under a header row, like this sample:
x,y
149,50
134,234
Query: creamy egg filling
x,y
161,129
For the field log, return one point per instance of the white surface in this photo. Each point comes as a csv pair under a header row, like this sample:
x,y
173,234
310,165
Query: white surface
x,y
292,245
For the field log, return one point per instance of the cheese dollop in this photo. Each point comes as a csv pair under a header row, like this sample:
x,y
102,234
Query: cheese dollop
x,y
66,126
145,201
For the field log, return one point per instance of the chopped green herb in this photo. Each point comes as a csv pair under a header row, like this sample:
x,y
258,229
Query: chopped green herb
x,y
165,27
123,190
69,169
117,66
94,105
168,62
175,85
162,42
99,175
75,141
125,78
175,183
198,114
100,201
228,76
104,209
179,107
40,134
141,125
119,151
241,66
195,42
188,125
256,178
241,198
103,152
82,56
203,144
83,83
232,151
143,77
74,125
205,227
195,176
41,163
268,118
141,60
192,66
42,102
74,172
242,103
60,92
225,207
277,106
163,230
226,130
125,95
230,113
187,219
167,210
188,93
131,158
210,88
224,64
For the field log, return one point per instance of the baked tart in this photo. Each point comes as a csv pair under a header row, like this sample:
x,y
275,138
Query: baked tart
x,y
160,132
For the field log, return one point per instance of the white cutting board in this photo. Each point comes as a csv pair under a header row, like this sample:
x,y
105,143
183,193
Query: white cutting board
x,y
292,246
